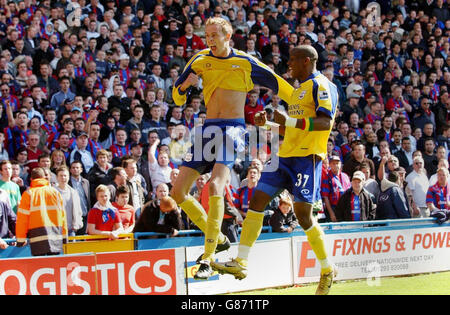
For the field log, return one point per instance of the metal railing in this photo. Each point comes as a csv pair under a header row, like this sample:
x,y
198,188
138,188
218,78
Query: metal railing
x,y
333,227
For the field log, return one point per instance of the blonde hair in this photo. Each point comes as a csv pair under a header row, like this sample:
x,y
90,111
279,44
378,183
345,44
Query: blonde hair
x,y
224,24
55,153
444,170
102,152
285,198
100,188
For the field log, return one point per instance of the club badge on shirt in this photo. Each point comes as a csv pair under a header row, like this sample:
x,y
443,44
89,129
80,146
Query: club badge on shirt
x,y
323,95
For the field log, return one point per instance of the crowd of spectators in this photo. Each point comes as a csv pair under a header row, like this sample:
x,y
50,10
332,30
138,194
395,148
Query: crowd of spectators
x,y
86,94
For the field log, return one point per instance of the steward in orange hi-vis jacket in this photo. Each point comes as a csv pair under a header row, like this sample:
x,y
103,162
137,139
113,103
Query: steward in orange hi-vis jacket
x,y
41,217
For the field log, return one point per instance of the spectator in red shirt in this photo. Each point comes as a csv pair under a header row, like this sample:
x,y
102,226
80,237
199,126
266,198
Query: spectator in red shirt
x,y
333,186
252,107
103,218
398,104
190,40
126,211
32,150
438,195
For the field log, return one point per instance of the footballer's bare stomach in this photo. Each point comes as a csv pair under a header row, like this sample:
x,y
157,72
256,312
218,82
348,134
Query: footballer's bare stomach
x,y
226,104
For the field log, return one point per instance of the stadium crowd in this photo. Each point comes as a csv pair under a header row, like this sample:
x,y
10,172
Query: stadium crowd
x,y
86,94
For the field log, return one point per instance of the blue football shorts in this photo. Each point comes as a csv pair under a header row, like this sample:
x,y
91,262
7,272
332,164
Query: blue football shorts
x,y
301,176
216,141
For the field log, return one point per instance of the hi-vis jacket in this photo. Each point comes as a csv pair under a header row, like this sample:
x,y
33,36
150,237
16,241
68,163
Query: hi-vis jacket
x,y
41,217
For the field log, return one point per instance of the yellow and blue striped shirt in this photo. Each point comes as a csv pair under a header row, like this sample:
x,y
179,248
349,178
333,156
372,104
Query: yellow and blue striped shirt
x,y
238,72
315,94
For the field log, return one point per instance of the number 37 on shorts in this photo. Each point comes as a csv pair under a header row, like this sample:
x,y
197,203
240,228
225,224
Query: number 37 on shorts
x,y
301,176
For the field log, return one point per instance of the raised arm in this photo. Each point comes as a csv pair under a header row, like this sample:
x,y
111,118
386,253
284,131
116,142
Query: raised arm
x,y
9,114
152,152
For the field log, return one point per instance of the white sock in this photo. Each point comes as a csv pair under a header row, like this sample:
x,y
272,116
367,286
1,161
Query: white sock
x,y
325,263
243,252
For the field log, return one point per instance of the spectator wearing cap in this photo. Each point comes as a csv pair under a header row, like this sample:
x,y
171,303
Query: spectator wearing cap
x,y
356,203
379,95
76,113
124,70
352,107
357,84
334,184
392,202
136,152
80,153
273,21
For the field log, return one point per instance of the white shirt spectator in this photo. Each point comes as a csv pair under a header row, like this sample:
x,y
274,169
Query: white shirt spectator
x,y
159,174
418,184
86,158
